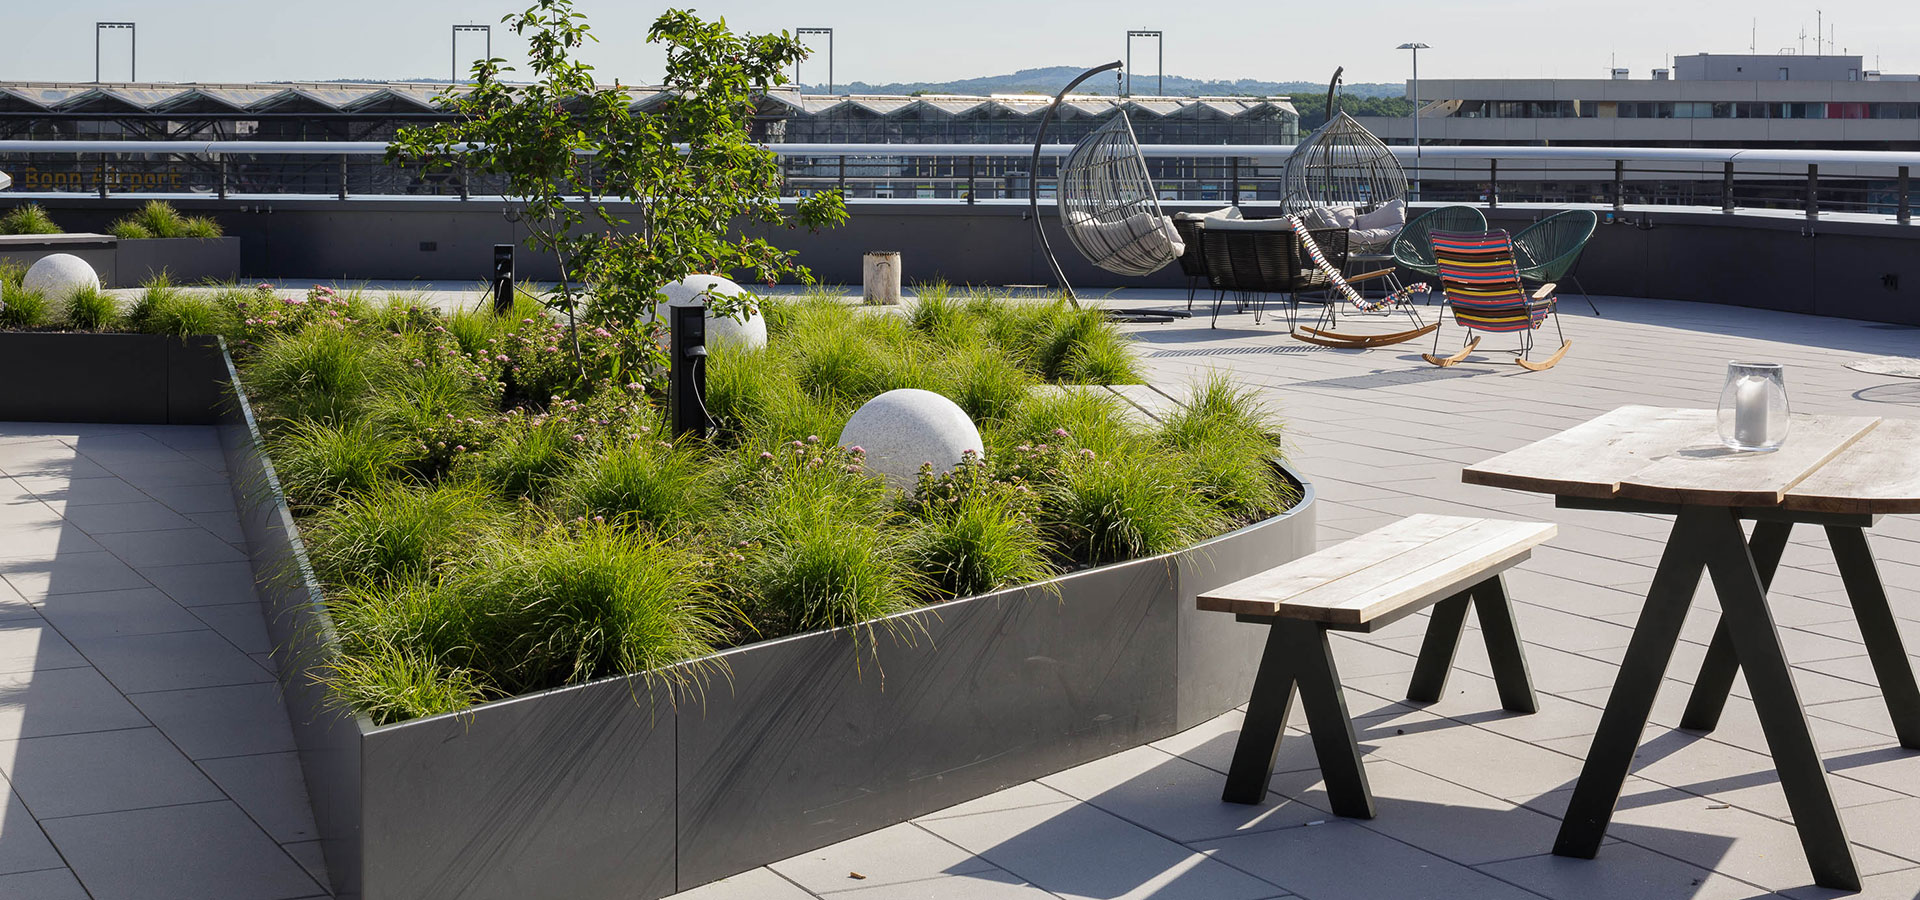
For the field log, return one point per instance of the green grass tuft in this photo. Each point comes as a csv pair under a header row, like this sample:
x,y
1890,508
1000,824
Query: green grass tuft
x,y
393,532
28,218
645,483
158,219
322,371
91,309
22,308
319,461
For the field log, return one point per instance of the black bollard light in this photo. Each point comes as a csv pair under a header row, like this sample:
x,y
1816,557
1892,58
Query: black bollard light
x,y
687,370
502,279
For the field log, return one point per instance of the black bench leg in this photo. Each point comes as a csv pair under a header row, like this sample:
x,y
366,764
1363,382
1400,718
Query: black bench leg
x,y
1266,716
1503,646
1436,651
1327,720
1715,682
1879,630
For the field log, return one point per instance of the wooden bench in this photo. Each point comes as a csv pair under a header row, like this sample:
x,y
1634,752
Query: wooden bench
x,y
1362,585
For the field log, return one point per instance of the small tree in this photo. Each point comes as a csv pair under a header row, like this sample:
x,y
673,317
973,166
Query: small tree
x,y
686,166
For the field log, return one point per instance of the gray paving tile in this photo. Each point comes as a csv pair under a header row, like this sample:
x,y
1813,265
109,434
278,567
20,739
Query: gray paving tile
x,y
207,851
28,645
104,771
205,584
163,474
43,540
1440,817
169,662
62,701
1340,859
241,623
61,492
69,573
313,858
224,525
1074,850
1750,847
1174,798
989,885
757,884
184,546
234,720
46,884
271,789
1621,870
1901,885
113,518
896,855
23,846
107,613
194,498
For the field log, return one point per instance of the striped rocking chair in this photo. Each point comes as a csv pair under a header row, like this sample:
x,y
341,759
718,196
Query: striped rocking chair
x,y
1482,285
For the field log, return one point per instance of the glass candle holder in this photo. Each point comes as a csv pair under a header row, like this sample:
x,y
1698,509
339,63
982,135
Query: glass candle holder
x,y
1753,406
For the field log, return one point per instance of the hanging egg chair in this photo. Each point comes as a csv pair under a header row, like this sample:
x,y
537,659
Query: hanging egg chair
x,y
1341,164
1108,206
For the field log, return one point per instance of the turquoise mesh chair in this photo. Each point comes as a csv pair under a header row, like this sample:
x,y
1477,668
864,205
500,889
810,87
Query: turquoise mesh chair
x,y
1413,250
1548,249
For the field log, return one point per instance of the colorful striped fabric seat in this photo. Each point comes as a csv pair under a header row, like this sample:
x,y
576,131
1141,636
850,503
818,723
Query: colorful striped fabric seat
x,y
1482,282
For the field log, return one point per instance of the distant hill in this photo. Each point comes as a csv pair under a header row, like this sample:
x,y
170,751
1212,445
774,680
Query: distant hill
x,y
1052,78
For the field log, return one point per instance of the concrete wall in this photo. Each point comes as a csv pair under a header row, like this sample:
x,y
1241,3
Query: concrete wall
x,y
1867,270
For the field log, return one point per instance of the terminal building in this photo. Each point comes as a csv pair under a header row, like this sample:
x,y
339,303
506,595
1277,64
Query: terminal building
x,y
1705,100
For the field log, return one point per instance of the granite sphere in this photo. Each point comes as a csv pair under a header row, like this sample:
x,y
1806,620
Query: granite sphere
x,y
688,291
59,276
902,429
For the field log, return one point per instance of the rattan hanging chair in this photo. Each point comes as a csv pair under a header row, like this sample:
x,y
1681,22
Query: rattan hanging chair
x,y
1341,164
1108,206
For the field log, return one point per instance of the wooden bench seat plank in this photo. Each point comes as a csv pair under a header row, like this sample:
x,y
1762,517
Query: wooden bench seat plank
x,y
1420,576
1707,472
1592,459
1878,475
1377,574
1258,593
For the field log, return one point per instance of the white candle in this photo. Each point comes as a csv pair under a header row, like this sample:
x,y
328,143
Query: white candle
x,y
1750,411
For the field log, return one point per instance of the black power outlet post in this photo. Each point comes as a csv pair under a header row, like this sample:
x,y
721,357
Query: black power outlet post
x,y
687,371
502,279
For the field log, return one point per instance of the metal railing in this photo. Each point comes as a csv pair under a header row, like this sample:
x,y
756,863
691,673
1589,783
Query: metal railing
x,y
1815,182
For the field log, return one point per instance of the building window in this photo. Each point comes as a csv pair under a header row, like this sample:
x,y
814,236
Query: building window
x,y
1783,73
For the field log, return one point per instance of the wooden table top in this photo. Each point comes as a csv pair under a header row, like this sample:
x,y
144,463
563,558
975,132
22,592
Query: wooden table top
x,y
1830,464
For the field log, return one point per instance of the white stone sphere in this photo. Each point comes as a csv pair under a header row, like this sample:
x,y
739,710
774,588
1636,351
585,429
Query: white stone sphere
x,y
59,276
902,429
720,329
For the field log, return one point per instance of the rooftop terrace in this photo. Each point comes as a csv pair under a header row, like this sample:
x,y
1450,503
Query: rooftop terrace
x,y
146,755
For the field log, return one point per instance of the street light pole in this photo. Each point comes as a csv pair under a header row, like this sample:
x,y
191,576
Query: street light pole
x,y
1416,47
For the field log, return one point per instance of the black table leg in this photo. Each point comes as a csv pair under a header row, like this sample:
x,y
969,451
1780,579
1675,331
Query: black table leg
x,y
1334,742
1503,646
1743,603
1715,683
1645,664
1444,628
1266,717
1879,630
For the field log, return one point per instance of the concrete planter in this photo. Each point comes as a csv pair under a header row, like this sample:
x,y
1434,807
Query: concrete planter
x,y
147,379
614,789
185,260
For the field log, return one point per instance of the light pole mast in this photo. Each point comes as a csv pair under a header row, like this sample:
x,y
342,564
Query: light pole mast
x,y
1416,47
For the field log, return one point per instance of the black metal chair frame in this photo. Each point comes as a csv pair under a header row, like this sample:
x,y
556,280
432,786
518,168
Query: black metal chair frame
x,y
1252,263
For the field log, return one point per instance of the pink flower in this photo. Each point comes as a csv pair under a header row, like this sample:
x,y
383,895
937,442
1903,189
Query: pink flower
x,y
857,450
1060,432
765,456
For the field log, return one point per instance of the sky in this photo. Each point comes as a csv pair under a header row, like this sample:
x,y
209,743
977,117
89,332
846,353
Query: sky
x,y
914,40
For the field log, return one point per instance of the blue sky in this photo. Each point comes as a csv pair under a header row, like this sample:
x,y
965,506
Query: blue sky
x,y
229,40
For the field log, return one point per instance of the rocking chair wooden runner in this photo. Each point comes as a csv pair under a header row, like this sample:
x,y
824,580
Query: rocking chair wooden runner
x,y
1397,299
1482,284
